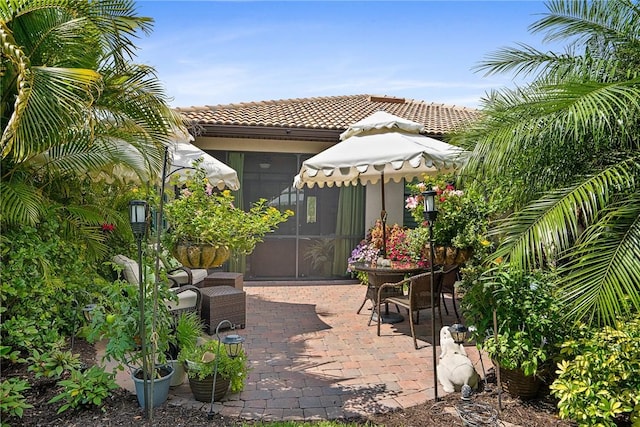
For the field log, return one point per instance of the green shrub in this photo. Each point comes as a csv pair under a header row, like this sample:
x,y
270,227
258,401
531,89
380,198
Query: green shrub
x,y
599,378
86,388
53,363
44,283
12,402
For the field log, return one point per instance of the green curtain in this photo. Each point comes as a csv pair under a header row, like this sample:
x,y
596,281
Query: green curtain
x,y
349,225
238,263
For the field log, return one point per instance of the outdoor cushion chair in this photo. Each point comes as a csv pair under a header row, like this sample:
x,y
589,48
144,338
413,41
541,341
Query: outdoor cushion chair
x,y
180,274
450,276
189,296
417,298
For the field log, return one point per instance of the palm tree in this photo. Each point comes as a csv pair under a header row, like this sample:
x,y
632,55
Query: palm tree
x,y
567,147
73,104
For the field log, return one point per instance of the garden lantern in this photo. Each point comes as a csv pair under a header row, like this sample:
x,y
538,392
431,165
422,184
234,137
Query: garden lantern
x,y
233,346
138,217
458,333
429,204
430,215
138,220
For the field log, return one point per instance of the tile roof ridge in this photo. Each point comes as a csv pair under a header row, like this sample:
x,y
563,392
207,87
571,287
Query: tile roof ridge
x,y
267,102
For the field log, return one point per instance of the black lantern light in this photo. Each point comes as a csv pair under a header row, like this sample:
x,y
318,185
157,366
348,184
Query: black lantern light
x,y
429,204
233,347
458,333
138,217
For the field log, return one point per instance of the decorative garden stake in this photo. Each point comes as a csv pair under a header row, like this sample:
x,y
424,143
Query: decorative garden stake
x,y
138,220
233,346
430,215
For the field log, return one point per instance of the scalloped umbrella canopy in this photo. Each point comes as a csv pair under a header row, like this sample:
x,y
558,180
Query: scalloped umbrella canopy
x,y
381,146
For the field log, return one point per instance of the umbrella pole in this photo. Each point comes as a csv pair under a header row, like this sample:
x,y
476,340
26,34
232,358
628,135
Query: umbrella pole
x,y
383,217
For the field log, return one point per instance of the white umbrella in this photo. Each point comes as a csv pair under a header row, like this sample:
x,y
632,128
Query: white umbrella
x,y
380,147
182,154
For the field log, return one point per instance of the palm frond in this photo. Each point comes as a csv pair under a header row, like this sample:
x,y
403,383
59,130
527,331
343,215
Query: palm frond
x,y
601,273
534,236
21,203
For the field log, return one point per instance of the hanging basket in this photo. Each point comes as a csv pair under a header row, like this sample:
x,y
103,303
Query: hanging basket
x,y
517,384
200,256
448,255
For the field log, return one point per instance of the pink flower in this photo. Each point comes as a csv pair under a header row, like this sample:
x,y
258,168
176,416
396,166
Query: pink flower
x,y
411,202
209,189
186,192
422,187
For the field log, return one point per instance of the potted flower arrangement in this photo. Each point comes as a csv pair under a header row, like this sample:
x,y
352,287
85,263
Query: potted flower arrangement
x,y
205,226
460,226
528,320
200,362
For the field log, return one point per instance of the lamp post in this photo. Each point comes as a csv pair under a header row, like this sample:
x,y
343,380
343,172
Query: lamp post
x,y
233,346
430,214
138,219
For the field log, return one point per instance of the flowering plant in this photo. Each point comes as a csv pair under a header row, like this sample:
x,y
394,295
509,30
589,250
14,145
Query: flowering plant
x,y
462,215
202,215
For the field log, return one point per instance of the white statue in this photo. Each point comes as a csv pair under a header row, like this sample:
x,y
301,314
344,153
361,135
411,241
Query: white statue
x,y
455,370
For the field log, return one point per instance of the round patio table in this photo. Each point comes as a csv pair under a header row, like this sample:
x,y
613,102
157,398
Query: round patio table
x,y
376,277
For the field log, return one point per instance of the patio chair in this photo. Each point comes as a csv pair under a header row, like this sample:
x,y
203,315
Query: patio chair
x,y
450,276
417,298
180,274
189,296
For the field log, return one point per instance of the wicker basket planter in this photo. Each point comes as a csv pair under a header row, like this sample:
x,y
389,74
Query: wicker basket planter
x,y
201,389
448,255
201,256
518,385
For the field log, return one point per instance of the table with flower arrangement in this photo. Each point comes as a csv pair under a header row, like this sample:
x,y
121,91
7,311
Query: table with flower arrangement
x,y
376,276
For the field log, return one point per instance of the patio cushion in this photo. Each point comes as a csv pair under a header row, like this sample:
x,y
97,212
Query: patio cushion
x,y
182,278
129,268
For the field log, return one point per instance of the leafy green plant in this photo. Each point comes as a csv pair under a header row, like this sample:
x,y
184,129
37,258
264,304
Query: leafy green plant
x,y
599,376
86,388
528,316
12,401
187,330
203,215
53,363
116,319
201,360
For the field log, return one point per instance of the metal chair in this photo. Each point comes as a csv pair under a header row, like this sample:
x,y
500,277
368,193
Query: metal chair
x,y
417,298
450,276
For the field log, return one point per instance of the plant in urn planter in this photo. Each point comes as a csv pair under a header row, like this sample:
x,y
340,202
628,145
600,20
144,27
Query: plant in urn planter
x,y
461,225
205,226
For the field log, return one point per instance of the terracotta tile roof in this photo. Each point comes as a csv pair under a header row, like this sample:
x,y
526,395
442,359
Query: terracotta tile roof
x,y
328,113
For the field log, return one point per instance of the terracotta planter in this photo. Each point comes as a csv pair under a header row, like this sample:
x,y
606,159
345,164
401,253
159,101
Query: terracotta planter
x,y
518,385
448,255
201,389
201,256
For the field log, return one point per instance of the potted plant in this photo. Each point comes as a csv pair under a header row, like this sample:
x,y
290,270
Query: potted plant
x,y
116,319
184,335
200,362
205,226
461,224
528,319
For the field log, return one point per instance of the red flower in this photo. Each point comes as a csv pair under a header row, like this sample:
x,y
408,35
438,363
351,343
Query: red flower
x,y
107,228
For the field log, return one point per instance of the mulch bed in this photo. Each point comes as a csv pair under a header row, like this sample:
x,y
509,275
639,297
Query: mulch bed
x,y
122,408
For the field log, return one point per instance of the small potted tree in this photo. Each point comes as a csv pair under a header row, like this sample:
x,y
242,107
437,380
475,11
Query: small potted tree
x,y
116,319
200,362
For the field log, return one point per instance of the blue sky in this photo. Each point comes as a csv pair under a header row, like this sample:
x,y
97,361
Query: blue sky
x,y
220,52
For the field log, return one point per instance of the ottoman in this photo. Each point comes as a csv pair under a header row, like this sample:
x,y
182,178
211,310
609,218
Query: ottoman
x,y
223,303
223,278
